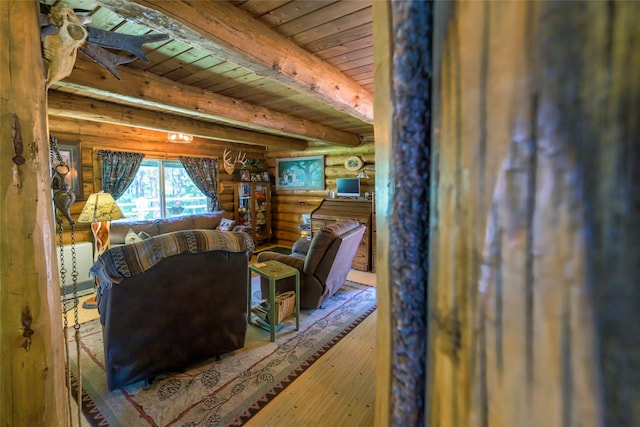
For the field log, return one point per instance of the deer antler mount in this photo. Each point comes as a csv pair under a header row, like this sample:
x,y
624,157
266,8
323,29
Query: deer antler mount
x,y
230,164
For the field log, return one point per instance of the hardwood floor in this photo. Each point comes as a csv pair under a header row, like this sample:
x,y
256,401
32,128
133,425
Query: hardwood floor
x,y
337,390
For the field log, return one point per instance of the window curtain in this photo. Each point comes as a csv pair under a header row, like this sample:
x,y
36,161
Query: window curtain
x,y
204,174
118,170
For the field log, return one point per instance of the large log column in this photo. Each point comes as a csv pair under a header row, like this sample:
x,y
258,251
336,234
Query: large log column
x,y
32,390
534,264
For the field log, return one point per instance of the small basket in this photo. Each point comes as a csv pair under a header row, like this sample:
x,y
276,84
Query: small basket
x,y
285,304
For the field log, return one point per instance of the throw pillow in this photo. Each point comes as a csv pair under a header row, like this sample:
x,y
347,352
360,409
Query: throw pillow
x,y
144,235
226,224
131,237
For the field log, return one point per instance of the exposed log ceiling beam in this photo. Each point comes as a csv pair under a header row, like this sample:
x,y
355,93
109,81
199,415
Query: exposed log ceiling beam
x,y
144,88
106,135
225,31
83,130
66,105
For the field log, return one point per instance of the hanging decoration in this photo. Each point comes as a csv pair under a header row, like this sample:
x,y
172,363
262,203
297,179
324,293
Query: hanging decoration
x,y
63,197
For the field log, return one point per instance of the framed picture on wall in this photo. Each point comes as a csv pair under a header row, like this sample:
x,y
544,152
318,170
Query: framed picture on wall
x,y
70,155
300,173
245,175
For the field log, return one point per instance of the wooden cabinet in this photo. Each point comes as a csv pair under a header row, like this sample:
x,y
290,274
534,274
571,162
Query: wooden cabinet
x,y
332,210
252,204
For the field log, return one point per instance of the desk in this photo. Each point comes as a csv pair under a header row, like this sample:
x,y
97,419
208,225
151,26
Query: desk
x,y
274,271
332,210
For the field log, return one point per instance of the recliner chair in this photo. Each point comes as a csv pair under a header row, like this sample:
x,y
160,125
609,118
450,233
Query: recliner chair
x,y
323,262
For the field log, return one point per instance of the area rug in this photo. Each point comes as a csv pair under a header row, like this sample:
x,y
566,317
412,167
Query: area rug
x,y
225,392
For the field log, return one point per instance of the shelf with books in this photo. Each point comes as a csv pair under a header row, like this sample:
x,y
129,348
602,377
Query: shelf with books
x,y
253,207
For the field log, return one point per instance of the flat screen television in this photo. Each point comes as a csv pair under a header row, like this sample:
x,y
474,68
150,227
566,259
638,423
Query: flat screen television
x,y
348,187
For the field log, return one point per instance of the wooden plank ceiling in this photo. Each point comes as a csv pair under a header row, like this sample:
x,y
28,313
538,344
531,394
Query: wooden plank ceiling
x,y
278,73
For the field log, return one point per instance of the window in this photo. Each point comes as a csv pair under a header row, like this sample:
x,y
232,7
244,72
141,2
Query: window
x,y
161,189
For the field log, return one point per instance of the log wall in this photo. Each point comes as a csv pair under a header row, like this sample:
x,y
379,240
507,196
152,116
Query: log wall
x,y
93,137
288,206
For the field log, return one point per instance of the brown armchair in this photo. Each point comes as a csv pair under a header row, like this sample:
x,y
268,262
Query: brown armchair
x,y
323,263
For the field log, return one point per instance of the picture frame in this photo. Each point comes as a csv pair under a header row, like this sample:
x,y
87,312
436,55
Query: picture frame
x,y
245,175
265,176
300,173
70,153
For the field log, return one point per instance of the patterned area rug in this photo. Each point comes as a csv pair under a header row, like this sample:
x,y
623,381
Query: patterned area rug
x,y
226,392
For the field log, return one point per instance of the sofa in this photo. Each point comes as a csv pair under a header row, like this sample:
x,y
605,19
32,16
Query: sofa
x,y
323,262
170,301
154,227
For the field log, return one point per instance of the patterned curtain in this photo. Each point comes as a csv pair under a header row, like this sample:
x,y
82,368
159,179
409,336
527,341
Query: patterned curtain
x,y
204,174
118,170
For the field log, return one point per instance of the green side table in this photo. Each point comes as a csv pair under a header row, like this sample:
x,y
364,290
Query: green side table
x,y
274,271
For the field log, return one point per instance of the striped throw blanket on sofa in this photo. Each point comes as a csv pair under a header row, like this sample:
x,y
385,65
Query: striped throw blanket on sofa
x,y
135,258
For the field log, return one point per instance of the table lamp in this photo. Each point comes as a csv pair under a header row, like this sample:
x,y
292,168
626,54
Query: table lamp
x,y
99,210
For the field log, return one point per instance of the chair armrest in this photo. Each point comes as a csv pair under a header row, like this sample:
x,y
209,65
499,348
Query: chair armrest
x,y
292,261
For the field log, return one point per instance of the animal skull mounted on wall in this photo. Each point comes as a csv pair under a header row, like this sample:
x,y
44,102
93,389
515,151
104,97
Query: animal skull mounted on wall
x,y
229,164
61,47
63,34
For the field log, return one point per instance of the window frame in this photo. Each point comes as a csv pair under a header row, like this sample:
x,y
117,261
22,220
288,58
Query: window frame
x,y
161,164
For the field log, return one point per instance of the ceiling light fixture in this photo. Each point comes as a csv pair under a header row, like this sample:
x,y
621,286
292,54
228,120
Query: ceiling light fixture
x,y
179,138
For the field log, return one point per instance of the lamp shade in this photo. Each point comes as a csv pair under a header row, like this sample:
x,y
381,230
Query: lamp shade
x,y
362,174
100,207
